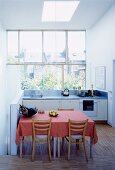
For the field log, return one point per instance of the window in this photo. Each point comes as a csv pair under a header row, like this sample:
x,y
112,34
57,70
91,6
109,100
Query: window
x,y
48,59
74,76
57,11
76,46
30,46
13,47
54,46
41,77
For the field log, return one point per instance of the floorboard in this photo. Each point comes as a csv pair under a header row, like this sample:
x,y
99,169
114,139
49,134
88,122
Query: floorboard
x,y
103,155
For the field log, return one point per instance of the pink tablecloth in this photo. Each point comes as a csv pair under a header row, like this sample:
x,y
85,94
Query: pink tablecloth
x,y
59,127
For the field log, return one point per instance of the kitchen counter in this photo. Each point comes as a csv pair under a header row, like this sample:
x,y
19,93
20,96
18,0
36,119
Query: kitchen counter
x,y
57,95
60,97
53,100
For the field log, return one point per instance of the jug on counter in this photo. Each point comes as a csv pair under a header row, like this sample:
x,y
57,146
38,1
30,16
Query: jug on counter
x,y
65,92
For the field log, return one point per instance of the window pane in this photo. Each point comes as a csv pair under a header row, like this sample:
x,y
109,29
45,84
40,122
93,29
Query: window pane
x,y
13,47
54,46
74,76
31,46
41,77
76,46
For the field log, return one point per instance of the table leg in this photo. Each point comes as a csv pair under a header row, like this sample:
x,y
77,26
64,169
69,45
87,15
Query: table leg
x,y
54,147
91,143
21,140
58,147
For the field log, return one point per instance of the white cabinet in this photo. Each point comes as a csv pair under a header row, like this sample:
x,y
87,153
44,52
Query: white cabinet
x,y
99,111
52,104
102,109
70,104
39,104
43,104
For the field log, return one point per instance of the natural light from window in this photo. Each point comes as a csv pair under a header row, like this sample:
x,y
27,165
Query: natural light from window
x,y
48,59
58,11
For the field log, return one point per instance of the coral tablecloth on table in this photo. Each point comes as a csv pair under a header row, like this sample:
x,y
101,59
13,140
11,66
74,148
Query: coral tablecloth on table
x,y
59,127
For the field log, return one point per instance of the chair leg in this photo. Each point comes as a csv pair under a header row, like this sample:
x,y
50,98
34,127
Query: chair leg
x,y
69,150
21,140
77,143
49,149
63,143
85,150
33,150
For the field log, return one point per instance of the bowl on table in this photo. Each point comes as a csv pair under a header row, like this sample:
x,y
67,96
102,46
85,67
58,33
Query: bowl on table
x,y
53,113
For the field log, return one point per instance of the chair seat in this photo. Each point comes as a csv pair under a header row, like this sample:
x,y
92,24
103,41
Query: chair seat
x,y
76,136
73,138
41,139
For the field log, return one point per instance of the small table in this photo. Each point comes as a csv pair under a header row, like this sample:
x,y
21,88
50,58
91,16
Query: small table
x,y
59,127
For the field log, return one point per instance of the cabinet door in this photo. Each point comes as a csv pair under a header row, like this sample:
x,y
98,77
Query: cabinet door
x,y
39,104
102,110
52,104
70,104
30,103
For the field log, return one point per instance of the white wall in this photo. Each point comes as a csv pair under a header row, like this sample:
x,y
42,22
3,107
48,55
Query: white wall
x,y
100,42
9,88
3,115
100,50
13,90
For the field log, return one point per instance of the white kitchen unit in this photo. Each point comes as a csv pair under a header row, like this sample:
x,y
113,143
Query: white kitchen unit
x,y
101,109
52,104
70,104
96,112
89,107
39,104
42,104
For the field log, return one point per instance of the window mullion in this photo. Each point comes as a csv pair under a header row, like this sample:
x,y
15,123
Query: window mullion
x,y
62,77
42,45
66,43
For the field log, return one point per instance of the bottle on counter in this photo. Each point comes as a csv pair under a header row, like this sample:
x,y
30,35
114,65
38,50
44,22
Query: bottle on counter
x,y
92,90
79,90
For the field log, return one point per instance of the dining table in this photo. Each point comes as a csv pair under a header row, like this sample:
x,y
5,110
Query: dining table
x,y
59,127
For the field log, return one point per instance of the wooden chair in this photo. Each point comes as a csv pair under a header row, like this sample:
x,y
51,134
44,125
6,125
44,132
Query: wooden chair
x,y
77,134
65,109
41,135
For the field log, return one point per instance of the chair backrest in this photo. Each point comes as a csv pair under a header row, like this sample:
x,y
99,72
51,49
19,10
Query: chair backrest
x,y
61,109
41,127
77,127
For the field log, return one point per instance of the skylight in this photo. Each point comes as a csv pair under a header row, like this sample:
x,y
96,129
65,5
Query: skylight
x,y
58,11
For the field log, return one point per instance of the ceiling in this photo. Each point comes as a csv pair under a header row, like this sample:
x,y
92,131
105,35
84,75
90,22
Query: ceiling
x,y
26,14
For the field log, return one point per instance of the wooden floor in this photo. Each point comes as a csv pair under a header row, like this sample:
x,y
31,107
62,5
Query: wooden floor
x,y
103,156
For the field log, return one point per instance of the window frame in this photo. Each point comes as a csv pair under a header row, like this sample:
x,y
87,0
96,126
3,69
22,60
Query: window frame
x,y
51,63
